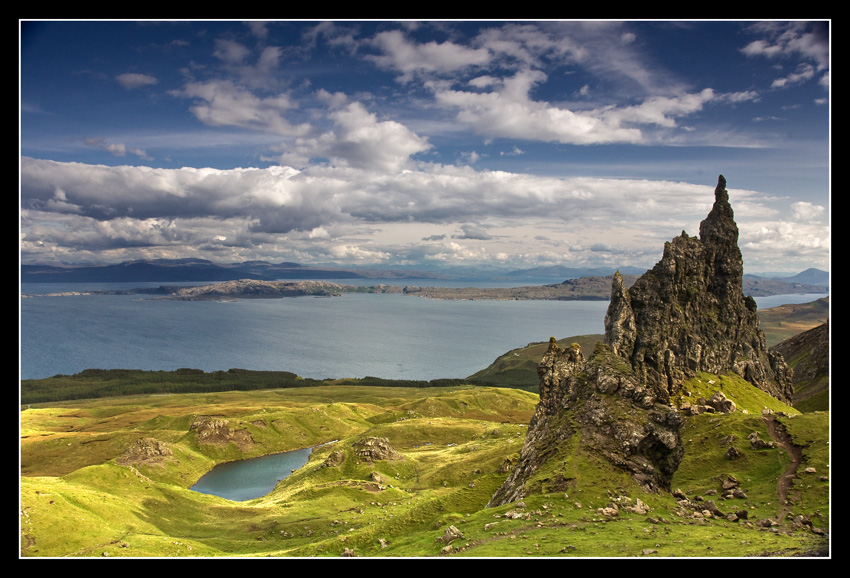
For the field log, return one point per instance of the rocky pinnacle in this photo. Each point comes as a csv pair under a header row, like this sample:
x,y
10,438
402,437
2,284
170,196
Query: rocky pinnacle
x,y
689,313
685,315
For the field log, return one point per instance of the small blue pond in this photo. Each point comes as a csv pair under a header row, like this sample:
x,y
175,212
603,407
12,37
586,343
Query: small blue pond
x,y
253,478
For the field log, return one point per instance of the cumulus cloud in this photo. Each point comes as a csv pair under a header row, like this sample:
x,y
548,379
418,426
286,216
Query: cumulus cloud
x,y
774,244
225,103
363,141
230,51
473,232
323,212
809,40
508,111
807,212
348,253
117,149
282,199
803,73
358,139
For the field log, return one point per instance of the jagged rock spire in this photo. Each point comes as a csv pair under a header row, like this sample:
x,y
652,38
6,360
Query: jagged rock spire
x,y
620,319
689,313
720,224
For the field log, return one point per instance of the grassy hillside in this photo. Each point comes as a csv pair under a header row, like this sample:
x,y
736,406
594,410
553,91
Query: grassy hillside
x,y
807,354
84,492
518,367
780,323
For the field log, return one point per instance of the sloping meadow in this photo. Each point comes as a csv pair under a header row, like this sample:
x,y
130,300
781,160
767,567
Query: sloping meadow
x,y
449,450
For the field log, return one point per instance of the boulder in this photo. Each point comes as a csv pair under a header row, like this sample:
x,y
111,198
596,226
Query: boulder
x,y
374,449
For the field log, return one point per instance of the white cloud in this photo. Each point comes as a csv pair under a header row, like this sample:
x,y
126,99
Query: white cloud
x,y
778,245
358,140
321,213
230,51
805,212
351,165
410,59
804,44
659,110
132,80
223,103
116,149
346,253
808,40
803,73
509,112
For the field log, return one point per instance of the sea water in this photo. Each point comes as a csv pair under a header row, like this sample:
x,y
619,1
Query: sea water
x,y
390,336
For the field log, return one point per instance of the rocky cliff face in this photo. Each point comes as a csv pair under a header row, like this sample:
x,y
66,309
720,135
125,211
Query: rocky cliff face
x,y
687,314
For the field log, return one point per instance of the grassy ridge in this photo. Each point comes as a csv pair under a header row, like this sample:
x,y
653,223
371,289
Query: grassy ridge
x,y
78,500
100,383
518,367
780,323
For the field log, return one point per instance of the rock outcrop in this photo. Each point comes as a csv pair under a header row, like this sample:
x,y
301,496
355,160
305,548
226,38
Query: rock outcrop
x,y
601,404
687,314
148,451
215,431
374,449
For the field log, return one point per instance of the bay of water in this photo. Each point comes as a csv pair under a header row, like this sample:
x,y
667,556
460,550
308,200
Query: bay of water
x,y
252,478
354,335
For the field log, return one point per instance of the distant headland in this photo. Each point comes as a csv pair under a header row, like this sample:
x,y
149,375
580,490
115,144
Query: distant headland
x,y
582,288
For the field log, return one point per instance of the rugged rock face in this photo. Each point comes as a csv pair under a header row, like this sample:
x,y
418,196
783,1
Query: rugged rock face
x,y
687,314
606,405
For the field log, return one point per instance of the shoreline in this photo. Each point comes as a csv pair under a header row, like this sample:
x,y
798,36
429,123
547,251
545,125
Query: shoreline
x,y
592,288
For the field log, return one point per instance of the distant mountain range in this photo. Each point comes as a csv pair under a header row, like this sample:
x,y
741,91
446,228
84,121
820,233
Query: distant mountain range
x,y
194,270
808,277
202,270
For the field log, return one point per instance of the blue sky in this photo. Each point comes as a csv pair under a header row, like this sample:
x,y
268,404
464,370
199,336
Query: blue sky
x,y
424,144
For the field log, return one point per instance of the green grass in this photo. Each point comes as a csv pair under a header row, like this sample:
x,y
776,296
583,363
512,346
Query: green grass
x,y
746,397
77,501
811,489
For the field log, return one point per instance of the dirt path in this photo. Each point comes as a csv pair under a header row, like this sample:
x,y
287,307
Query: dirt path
x,y
783,440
